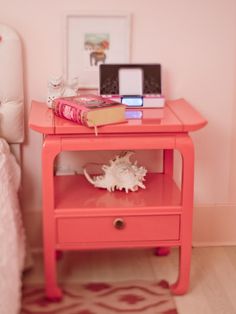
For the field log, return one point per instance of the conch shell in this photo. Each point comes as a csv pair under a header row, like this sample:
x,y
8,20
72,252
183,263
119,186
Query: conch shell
x,y
120,174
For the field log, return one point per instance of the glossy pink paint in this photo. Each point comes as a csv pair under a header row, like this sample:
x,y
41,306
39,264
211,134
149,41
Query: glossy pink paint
x,y
76,216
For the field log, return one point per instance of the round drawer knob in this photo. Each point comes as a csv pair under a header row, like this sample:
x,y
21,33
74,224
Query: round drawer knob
x,y
119,223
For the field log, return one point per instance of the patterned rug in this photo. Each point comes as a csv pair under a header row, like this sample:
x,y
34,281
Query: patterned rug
x,y
103,298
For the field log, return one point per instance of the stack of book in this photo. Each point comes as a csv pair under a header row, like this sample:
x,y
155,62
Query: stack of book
x,y
89,110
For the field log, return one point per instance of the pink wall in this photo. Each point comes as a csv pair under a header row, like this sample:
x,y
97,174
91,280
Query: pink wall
x,y
195,41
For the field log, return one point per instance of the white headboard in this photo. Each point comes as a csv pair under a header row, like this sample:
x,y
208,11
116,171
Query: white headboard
x,y
11,86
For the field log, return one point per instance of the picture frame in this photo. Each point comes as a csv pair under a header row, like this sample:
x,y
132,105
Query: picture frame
x,y
92,39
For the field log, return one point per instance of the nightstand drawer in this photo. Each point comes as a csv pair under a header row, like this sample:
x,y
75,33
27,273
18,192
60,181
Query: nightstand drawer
x,y
117,228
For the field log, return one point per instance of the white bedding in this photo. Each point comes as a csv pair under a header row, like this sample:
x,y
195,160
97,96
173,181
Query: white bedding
x,y
12,238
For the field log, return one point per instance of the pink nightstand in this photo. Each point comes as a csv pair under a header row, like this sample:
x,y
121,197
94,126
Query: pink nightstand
x,y
77,216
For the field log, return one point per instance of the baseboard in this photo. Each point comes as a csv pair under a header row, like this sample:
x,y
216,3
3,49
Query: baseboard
x,y
213,225
211,244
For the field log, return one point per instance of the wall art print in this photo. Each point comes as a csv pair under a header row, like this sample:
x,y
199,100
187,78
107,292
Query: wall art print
x,y
92,39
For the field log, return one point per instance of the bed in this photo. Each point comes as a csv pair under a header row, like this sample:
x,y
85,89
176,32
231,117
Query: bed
x,y
12,237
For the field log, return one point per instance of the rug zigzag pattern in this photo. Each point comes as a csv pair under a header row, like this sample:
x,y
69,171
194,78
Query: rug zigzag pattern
x,y
103,298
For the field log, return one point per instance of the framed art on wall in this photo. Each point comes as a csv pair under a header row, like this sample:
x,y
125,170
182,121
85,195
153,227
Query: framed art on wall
x,y
92,39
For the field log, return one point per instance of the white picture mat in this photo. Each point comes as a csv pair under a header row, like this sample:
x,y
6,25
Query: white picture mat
x,y
77,61
130,81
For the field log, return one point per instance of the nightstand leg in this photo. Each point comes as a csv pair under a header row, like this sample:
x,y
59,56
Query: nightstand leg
x,y
168,165
53,292
50,149
168,161
162,251
182,284
186,148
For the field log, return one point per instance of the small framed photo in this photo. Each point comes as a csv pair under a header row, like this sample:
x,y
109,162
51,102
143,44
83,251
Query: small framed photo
x,y
92,39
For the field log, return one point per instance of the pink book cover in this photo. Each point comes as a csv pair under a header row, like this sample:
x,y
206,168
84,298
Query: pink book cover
x,y
75,108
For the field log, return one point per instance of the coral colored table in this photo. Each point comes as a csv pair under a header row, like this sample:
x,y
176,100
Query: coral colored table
x,y
77,216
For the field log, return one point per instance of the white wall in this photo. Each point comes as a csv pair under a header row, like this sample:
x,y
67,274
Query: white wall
x,y
195,41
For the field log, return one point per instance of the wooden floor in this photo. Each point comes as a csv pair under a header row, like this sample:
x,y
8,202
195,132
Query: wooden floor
x,y
213,274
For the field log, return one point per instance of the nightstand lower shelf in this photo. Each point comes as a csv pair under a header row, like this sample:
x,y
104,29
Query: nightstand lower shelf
x,y
76,193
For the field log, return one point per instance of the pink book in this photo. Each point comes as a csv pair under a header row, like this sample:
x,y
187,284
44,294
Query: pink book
x,y
90,110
